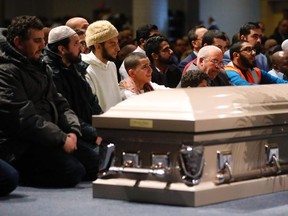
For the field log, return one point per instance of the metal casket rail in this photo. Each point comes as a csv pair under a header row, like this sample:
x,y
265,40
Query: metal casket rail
x,y
197,146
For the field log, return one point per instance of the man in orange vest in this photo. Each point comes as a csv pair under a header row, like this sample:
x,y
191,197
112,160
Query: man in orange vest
x,y
242,70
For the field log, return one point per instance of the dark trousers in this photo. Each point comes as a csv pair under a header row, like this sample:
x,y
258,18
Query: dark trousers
x,y
55,168
8,178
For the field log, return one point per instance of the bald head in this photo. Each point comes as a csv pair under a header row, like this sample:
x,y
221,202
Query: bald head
x,y
77,23
280,61
270,43
210,60
277,57
208,51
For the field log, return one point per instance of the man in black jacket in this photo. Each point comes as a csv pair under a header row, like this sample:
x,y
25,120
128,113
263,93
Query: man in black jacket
x,y
38,130
165,72
62,58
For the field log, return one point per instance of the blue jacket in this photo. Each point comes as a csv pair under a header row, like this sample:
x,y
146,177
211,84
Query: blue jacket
x,y
261,60
236,78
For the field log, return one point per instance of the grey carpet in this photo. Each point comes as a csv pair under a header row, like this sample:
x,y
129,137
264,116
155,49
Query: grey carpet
x,y
78,201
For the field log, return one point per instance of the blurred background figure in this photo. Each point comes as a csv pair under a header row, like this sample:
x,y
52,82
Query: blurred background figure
x,y
212,25
270,47
78,23
281,31
280,65
125,37
83,46
180,46
263,36
124,51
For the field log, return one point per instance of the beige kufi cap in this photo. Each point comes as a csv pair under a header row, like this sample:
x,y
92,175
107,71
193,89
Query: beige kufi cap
x,y
100,31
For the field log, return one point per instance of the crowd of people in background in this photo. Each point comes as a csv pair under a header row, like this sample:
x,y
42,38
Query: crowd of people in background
x,y
53,79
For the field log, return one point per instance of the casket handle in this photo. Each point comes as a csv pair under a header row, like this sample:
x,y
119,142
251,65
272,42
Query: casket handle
x,y
276,162
133,170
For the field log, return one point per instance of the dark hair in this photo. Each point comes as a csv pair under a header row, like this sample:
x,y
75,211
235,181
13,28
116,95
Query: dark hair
x,y
247,27
54,46
192,33
278,25
192,78
132,60
210,35
20,26
79,32
235,38
143,32
153,45
236,47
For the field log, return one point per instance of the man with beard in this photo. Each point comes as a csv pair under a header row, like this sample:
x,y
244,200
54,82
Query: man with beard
x,y
102,39
160,54
252,33
242,69
38,130
62,58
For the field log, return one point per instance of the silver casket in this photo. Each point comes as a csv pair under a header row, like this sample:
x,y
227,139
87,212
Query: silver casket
x,y
196,146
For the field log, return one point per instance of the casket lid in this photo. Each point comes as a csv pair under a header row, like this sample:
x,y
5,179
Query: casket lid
x,y
200,109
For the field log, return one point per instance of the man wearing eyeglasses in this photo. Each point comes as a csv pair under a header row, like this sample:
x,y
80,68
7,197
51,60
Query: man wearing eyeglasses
x,y
218,39
252,33
242,69
210,61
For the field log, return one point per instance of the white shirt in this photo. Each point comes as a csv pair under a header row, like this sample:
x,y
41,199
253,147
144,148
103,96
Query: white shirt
x,y
128,93
102,79
276,73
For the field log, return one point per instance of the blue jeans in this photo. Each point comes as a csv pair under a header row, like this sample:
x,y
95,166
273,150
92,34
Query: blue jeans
x,y
8,178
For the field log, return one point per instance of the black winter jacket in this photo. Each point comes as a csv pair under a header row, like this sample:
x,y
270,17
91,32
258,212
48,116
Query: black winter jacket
x,y
71,83
170,78
32,113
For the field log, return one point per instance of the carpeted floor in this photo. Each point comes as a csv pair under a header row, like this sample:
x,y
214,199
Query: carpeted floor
x,y
78,201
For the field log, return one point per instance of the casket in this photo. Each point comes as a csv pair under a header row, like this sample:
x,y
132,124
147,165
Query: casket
x,y
196,146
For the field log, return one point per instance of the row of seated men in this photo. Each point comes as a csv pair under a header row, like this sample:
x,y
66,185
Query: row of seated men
x,y
241,64
165,70
50,90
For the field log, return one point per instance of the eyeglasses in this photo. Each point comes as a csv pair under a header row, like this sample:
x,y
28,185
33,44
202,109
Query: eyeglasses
x,y
248,49
217,63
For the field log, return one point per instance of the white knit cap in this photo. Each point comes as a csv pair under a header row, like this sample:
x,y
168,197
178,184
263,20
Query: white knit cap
x,y
59,33
100,31
284,45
